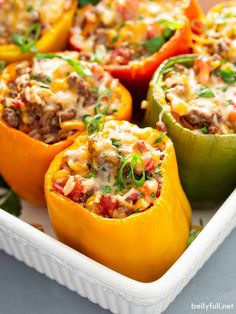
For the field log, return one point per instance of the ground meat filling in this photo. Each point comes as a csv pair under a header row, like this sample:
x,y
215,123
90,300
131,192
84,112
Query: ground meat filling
x,y
120,32
203,97
44,93
217,34
24,17
114,173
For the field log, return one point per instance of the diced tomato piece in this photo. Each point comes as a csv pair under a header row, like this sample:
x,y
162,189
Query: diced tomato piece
x,y
148,164
122,55
107,205
140,147
232,116
17,103
158,192
58,187
133,197
77,192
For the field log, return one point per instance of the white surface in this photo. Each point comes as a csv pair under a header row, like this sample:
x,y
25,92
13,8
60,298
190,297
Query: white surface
x,y
99,284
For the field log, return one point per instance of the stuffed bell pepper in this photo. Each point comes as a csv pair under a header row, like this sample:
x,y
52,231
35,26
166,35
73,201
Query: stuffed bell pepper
x,y
29,26
194,97
131,38
43,103
216,33
115,196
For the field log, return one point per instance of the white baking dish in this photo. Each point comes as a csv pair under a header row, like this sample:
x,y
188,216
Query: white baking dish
x,y
99,284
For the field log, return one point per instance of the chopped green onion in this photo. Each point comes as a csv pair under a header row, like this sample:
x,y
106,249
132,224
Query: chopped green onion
x,y
43,85
205,130
26,42
157,170
106,93
93,124
227,75
167,33
130,162
205,92
115,38
30,8
83,3
170,24
116,142
92,174
160,138
95,90
106,189
77,65
2,65
164,87
153,195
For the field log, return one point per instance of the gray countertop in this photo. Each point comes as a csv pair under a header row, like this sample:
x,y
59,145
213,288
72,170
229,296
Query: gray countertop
x,y
24,291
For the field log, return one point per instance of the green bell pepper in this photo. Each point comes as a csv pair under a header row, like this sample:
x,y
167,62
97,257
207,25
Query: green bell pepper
x,y
207,163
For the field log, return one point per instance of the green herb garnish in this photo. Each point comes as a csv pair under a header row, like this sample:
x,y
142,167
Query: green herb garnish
x,y
30,8
77,65
116,142
154,44
205,130
27,42
192,237
9,201
205,92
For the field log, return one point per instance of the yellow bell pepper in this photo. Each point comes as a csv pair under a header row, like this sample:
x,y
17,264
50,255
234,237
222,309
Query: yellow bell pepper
x,y
142,246
54,39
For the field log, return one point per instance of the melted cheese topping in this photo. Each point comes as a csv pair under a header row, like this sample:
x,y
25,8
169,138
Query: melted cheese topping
x,y
219,34
98,172
21,14
203,98
46,92
119,32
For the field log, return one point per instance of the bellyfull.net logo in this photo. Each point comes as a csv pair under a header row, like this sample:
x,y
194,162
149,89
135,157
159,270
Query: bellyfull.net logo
x,y
203,306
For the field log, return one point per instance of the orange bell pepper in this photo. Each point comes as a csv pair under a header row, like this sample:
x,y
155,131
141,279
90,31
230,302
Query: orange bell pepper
x,y
142,246
24,160
193,11
54,39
